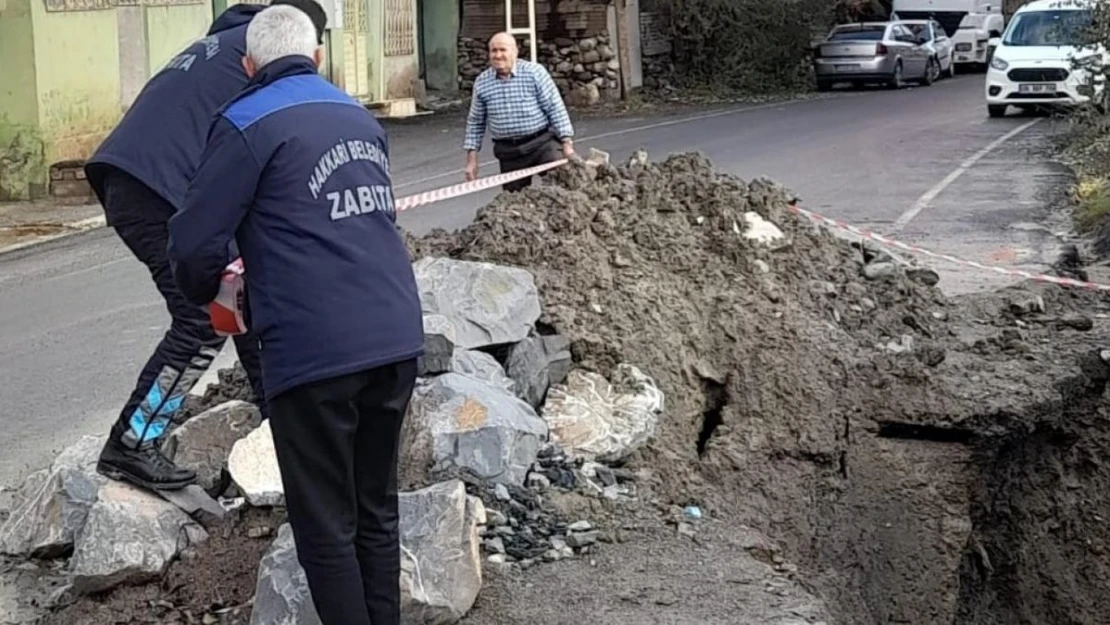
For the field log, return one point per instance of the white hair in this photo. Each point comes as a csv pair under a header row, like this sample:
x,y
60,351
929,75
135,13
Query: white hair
x,y
279,31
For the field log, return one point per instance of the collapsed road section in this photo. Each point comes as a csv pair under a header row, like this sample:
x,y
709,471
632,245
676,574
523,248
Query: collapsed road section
x,y
658,359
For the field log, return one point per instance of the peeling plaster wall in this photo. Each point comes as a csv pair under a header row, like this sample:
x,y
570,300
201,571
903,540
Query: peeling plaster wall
x,y
21,149
69,75
77,65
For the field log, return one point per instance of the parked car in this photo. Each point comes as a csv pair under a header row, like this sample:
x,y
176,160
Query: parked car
x,y
1035,62
932,35
973,39
883,52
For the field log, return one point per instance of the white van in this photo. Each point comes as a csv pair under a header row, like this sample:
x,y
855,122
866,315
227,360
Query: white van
x,y
1032,64
970,24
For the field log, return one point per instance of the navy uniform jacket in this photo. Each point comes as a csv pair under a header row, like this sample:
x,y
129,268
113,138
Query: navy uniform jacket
x,y
161,137
296,172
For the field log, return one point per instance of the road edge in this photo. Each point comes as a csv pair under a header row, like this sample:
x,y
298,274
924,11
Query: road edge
x,y
71,229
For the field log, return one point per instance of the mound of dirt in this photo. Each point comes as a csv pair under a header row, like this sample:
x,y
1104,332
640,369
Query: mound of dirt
x,y
921,459
814,389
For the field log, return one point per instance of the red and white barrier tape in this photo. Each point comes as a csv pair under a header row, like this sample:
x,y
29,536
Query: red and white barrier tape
x,y
466,188
226,311
914,249
227,318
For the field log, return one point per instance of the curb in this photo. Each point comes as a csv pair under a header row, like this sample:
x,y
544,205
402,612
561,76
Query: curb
x,y
73,228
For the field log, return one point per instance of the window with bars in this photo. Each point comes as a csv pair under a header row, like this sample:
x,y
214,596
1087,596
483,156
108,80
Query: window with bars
x,y
400,28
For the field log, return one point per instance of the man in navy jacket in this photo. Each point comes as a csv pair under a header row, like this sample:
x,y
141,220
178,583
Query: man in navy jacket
x,y
140,174
296,174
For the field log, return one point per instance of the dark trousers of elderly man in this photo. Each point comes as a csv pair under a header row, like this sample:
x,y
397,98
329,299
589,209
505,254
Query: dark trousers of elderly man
x,y
523,152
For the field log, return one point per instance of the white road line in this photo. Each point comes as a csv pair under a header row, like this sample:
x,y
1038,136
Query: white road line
x,y
923,202
626,131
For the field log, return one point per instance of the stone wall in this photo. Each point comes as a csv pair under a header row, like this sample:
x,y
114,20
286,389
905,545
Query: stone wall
x,y
586,69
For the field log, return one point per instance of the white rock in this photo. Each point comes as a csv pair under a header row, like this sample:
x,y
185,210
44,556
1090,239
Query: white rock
x,y
131,536
254,468
762,231
488,304
596,420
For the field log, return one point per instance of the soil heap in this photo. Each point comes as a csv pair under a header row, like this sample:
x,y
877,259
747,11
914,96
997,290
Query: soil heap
x,y
819,390
921,459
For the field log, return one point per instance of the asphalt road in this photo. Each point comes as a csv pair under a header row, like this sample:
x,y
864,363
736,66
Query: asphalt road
x,y
79,316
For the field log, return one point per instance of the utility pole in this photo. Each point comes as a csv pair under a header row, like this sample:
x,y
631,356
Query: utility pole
x,y
624,51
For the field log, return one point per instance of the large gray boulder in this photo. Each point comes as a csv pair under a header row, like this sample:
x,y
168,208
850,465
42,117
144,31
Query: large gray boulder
x,y
598,421
441,561
536,363
488,304
282,596
130,536
439,345
204,442
51,507
456,421
254,468
441,567
481,366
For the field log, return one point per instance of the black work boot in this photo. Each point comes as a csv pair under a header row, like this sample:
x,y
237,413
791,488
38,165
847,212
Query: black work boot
x,y
145,467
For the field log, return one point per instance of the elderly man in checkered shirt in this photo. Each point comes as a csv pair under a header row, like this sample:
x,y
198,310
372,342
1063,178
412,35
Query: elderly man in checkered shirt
x,y
527,119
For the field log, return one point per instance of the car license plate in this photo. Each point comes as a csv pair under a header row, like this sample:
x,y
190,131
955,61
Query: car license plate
x,y
846,68
1037,88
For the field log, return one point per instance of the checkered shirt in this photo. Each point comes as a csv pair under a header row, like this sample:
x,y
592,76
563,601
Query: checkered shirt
x,y
525,103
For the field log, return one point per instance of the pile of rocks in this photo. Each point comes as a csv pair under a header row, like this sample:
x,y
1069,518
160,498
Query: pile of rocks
x,y
499,418
586,70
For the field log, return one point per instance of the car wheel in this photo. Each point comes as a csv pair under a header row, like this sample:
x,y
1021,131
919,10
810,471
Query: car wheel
x,y
824,85
996,110
896,79
951,73
932,72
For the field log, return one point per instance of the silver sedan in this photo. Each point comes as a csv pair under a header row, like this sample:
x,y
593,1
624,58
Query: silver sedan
x,y
882,52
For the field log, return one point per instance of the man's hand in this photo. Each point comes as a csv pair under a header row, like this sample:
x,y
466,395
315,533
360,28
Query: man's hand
x,y
471,172
568,148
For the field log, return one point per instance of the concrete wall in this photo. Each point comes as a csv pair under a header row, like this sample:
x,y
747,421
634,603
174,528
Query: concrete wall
x,y
21,150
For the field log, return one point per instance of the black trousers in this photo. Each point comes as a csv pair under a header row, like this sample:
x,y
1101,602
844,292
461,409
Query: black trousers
x,y
525,152
140,216
336,443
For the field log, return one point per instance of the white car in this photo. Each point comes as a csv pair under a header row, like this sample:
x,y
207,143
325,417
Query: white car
x,y
1033,63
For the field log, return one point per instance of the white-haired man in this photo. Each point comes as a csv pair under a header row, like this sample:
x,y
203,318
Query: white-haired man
x,y
296,172
521,105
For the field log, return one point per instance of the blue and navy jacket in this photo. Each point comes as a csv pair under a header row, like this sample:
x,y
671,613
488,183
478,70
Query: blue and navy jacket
x,y
161,137
296,173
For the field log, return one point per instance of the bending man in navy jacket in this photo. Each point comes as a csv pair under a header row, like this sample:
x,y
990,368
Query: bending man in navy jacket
x,y
297,173
140,174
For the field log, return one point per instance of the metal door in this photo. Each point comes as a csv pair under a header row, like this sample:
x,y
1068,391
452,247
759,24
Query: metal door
x,y
356,43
